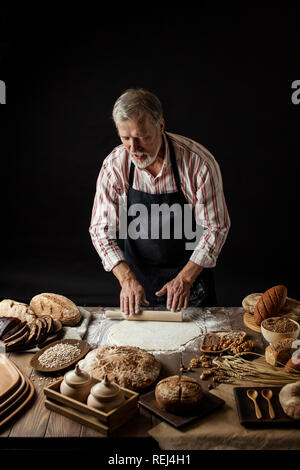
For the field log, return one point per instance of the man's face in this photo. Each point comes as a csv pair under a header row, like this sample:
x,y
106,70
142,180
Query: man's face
x,y
142,139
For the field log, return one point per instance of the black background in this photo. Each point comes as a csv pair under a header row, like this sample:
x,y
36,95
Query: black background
x,y
224,79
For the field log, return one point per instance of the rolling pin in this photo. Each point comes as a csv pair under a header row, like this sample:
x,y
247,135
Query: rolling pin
x,y
147,315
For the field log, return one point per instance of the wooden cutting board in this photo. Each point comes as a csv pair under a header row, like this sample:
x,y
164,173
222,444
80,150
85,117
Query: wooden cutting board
x,y
209,404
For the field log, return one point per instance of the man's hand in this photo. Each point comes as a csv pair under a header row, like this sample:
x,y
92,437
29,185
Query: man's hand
x,y
131,297
132,293
178,289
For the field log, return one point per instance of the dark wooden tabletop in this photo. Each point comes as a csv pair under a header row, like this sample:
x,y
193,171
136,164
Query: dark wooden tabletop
x,y
38,422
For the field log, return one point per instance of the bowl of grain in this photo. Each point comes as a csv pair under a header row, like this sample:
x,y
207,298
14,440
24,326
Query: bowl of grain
x,y
275,328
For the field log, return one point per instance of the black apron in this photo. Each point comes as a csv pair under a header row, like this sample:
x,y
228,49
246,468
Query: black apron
x,y
157,261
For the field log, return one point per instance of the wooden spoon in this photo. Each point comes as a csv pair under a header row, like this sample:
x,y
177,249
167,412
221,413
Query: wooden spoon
x,y
267,394
252,394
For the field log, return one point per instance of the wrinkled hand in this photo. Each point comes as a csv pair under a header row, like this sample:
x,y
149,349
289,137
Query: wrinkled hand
x,y
132,295
178,291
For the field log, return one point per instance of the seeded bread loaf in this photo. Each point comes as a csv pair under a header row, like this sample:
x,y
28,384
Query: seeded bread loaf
x,y
270,303
178,395
11,308
279,352
128,366
57,306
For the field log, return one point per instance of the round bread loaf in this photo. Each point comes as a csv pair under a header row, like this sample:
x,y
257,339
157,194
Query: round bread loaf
x,y
249,302
178,395
58,306
289,398
128,366
270,303
11,308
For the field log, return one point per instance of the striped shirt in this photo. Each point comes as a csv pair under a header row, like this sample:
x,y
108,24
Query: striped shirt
x,y
202,186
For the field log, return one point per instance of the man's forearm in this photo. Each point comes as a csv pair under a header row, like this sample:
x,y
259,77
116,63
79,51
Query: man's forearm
x,y
190,272
123,272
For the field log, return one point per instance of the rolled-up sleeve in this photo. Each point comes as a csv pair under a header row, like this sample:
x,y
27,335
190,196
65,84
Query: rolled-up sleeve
x,y
105,218
211,213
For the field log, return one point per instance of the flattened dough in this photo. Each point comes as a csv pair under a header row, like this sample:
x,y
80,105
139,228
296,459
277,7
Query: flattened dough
x,y
153,335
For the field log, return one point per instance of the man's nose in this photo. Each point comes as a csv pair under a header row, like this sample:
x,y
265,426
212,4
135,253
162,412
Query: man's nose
x,y
133,145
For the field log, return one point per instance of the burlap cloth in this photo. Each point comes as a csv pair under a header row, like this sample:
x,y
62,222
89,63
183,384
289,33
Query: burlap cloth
x,y
221,430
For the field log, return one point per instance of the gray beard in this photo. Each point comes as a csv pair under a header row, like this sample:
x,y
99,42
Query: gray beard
x,y
149,160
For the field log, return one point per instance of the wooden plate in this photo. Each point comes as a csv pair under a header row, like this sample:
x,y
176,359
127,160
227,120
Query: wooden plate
x,y
20,404
14,394
250,323
219,334
82,345
10,377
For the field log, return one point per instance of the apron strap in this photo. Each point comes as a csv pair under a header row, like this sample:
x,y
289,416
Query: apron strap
x,y
173,164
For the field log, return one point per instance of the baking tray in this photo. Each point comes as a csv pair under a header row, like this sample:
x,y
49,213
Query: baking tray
x,y
209,404
246,411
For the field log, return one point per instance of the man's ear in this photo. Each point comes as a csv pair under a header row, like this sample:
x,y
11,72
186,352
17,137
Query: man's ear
x,y
162,125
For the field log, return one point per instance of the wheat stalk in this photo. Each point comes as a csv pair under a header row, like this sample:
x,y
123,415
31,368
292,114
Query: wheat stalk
x,y
231,369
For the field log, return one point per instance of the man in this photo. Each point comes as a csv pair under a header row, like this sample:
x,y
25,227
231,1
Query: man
x,y
157,169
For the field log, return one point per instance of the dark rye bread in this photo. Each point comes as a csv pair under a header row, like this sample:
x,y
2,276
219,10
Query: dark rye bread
x,y
17,334
7,324
270,303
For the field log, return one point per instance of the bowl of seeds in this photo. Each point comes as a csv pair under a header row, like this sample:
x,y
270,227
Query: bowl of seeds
x,y
275,328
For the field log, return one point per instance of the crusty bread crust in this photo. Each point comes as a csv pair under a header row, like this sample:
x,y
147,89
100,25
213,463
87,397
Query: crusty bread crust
x,y
128,366
270,303
57,306
11,308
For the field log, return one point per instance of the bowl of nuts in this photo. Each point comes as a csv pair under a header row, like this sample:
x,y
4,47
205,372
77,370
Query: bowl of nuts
x,y
274,328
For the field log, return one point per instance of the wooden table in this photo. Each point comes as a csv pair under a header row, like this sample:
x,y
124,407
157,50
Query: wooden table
x,y
37,422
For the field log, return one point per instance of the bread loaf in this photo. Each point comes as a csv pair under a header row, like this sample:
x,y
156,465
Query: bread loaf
x,y
128,366
11,308
270,303
57,306
289,398
249,302
279,352
178,395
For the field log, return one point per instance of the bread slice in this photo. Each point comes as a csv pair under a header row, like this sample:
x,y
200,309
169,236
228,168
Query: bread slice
x,y
7,324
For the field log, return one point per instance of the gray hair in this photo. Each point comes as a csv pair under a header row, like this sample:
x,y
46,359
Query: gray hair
x,y
134,102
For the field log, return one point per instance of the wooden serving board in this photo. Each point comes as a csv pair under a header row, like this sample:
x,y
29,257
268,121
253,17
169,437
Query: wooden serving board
x,y
250,323
19,404
208,404
246,411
